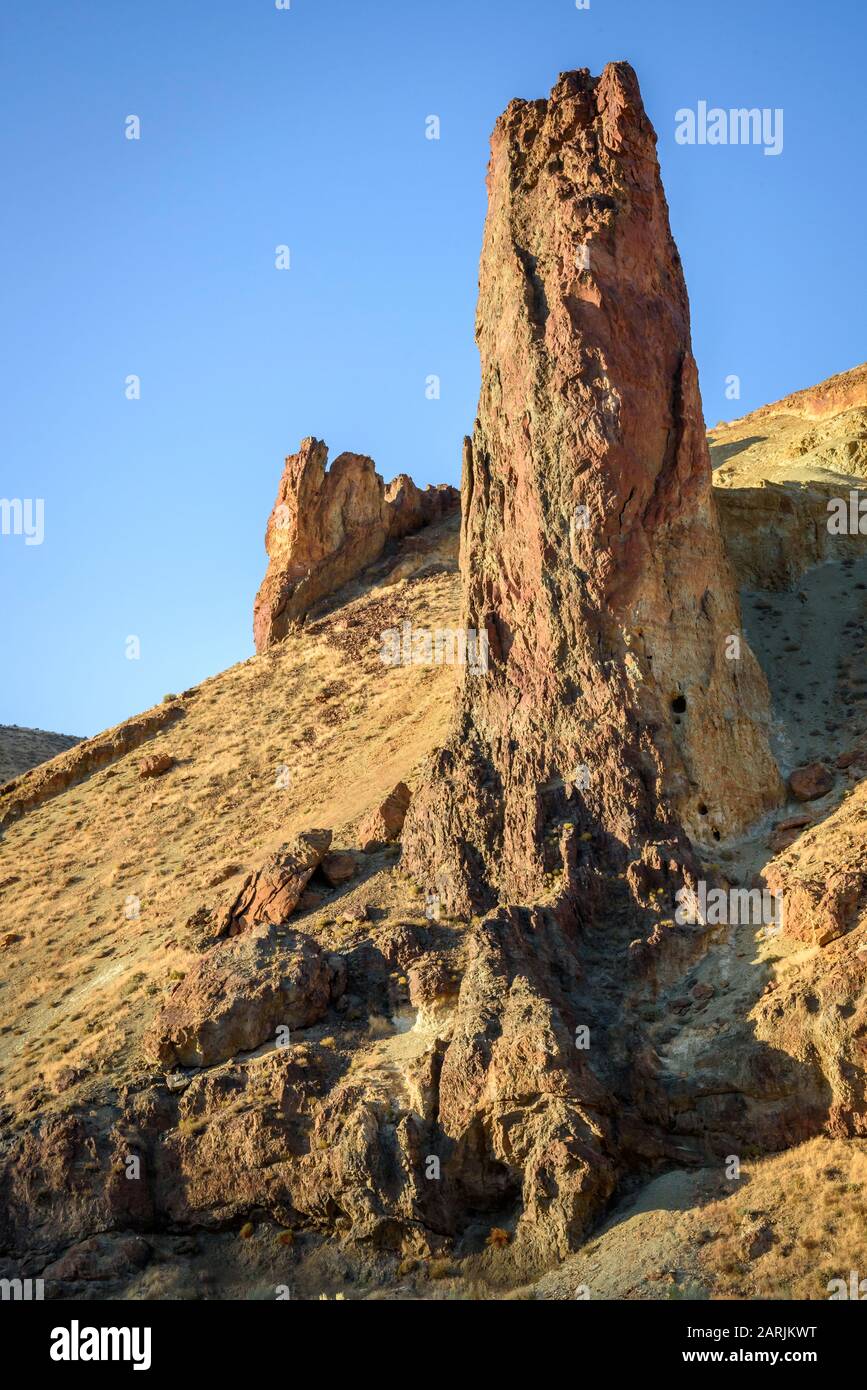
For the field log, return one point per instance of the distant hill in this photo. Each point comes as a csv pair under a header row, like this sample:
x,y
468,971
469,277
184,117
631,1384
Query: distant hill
x,y
21,749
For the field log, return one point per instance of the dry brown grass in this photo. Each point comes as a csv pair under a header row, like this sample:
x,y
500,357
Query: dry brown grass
x,y
802,1213
81,979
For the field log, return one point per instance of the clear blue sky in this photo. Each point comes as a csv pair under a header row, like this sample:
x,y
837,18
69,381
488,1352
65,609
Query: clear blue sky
x,y
306,127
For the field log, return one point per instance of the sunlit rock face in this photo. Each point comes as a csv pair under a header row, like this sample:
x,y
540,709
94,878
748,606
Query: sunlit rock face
x,y
622,703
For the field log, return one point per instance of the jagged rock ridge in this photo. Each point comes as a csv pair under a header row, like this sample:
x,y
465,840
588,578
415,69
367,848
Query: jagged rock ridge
x,y
327,525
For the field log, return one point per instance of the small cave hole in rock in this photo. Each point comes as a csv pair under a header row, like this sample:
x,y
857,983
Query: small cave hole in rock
x,y
715,834
702,809
678,704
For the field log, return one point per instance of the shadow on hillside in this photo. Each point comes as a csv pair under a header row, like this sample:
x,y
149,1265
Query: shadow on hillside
x,y
722,453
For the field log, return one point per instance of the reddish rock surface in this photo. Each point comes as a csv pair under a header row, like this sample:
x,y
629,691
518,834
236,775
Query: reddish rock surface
x,y
271,894
238,994
410,508
591,553
327,525
386,822
156,766
795,822
844,391
810,782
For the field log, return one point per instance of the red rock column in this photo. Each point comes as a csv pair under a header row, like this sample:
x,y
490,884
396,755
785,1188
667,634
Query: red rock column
x,y
616,710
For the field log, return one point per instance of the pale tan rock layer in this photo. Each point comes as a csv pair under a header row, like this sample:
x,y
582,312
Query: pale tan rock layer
x,y
777,471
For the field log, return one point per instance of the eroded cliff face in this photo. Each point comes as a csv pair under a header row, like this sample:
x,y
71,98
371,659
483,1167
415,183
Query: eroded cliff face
x,y
780,474
622,701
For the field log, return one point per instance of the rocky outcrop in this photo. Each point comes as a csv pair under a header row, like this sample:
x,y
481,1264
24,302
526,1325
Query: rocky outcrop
x,y
775,532
616,708
822,879
327,525
238,995
271,893
818,1011
324,528
385,823
525,1119
409,508
777,471
845,391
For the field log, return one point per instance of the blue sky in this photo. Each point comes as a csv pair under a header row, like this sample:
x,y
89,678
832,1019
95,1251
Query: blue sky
x,y
306,127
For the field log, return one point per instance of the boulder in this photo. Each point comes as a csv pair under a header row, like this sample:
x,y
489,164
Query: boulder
x,y
851,758
237,995
339,868
271,894
156,765
386,822
811,781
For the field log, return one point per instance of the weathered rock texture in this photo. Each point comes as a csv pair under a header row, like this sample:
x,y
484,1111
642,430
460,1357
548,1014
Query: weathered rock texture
x,y
608,627
270,894
776,532
385,823
238,995
329,524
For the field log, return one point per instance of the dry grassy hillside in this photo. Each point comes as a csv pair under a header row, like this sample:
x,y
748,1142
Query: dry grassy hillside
x,y
320,714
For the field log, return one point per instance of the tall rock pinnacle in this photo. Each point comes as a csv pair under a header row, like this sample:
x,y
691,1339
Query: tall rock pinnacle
x,y
622,704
